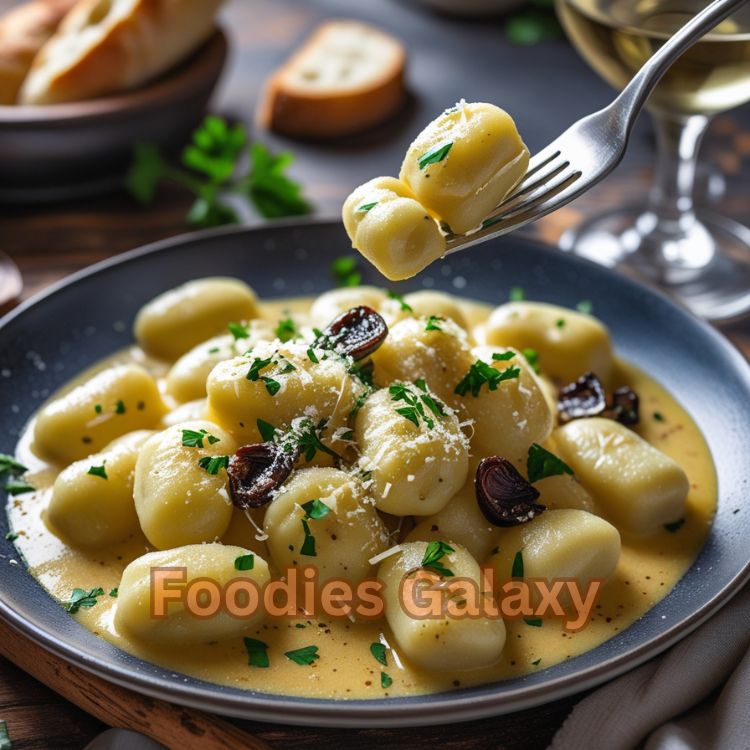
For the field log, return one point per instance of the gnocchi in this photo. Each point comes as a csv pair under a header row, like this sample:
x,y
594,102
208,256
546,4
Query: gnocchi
x,y
213,562
181,318
180,497
115,401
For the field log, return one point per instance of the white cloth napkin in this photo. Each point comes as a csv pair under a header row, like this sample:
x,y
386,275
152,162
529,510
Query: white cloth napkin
x,y
696,696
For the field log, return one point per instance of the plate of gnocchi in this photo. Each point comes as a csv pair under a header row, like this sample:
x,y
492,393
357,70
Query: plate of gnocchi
x,y
244,473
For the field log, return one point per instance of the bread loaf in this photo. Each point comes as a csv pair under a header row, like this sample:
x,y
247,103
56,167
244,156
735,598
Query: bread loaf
x,y
347,77
106,46
23,31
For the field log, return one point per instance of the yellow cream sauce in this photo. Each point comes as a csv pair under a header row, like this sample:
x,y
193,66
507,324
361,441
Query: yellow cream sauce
x,y
648,569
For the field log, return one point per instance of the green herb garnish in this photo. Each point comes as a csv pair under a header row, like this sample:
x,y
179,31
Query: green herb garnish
x,y
315,509
312,356
267,430
211,174
305,437
540,464
303,656
345,271
432,323
5,742
674,526
533,25
405,306
257,652
82,598
244,562
503,356
98,408
378,651
385,680
414,410
308,545
434,552
434,155
239,330
365,207
256,366
481,373
560,323
98,471
517,568
9,465
286,330
212,464
532,357
114,592
517,294
585,306
120,407
535,663
18,487
535,622
659,417
11,536
194,439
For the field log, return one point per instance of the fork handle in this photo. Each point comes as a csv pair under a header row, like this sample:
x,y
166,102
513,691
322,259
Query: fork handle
x,y
634,95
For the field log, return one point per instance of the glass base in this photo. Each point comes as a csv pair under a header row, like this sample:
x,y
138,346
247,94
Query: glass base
x,y
707,269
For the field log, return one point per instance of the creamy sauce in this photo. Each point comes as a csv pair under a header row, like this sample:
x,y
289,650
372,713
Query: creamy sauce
x,y
647,571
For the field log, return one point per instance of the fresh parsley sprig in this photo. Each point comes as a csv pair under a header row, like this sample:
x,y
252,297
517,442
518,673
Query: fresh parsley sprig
x,y
481,373
209,170
433,554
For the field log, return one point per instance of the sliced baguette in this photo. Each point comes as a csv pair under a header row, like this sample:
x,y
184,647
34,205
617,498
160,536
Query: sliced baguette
x,y
346,77
23,32
106,46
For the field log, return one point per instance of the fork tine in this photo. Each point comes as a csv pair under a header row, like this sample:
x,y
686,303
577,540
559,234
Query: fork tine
x,y
524,187
540,160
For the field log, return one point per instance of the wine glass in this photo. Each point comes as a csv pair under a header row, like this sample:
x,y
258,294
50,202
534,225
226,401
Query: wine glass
x,y
698,256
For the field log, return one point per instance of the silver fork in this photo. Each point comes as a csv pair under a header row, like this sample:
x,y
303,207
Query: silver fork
x,y
592,147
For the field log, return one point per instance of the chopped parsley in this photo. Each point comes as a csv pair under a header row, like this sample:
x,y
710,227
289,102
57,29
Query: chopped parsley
x,y
385,680
114,592
345,271
308,545
257,653
436,154
659,417
405,307
517,294
11,536
18,487
9,465
286,330
359,403
432,323
194,438
239,331
213,350
532,357
303,656
267,430
305,437
120,407
585,306
503,356
315,509
560,324
98,408
481,373
98,471
535,622
212,464
256,366
244,562
365,207
414,410
535,663
82,598
378,651
540,464
433,554
674,526
312,356
517,569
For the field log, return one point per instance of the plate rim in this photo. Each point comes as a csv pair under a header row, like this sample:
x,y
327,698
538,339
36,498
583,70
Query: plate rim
x,y
409,711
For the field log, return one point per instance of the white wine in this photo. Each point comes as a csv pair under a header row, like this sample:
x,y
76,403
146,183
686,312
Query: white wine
x,y
616,37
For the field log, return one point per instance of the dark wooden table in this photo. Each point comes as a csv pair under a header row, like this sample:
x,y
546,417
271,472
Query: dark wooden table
x,y
545,87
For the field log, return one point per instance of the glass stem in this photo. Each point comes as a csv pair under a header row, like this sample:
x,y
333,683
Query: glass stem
x,y
671,217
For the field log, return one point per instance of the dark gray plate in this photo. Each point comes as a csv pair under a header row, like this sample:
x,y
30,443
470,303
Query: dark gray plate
x,y
51,338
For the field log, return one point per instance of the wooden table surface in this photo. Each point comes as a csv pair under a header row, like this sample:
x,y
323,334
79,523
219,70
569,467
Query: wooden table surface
x,y
449,59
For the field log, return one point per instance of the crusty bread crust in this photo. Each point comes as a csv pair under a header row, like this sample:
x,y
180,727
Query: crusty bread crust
x,y
105,46
23,32
291,108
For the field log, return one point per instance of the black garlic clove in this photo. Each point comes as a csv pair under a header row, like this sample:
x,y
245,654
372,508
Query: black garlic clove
x,y
583,398
255,472
505,497
356,333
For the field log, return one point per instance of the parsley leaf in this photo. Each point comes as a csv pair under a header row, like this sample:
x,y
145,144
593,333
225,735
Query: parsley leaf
x,y
312,356
303,656
315,509
120,407
98,471
433,553
674,526
517,294
257,653
585,306
9,465
436,154
308,545
114,592
414,411
256,366
365,207
432,323
480,373
194,439
18,487
385,680
286,330
244,562
541,464
503,356
82,598
378,651
517,569
267,430
535,622
405,307
532,357
212,464
532,26
305,437
345,271
239,330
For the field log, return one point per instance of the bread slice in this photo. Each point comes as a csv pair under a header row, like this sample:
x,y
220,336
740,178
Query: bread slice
x,y
106,46
346,77
23,31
